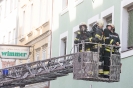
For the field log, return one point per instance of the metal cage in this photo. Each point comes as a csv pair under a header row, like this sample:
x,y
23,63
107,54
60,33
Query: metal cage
x,y
86,66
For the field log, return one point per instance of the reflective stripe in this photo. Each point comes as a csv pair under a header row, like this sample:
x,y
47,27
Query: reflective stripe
x,y
106,72
100,71
88,49
106,37
109,50
96,46
90,39
98,36
78,32
76,39
80,50
111,41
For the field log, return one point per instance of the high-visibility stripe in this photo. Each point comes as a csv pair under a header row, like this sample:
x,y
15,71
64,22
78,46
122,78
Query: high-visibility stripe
x,y
76,39
100,71
80,50
109,50
111,41
88,49
106,72
98,36
78,32
106,37
90,39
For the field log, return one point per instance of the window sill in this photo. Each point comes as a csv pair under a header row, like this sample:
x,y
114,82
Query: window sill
x,y
64,11
30,34
21,39
45,24
127,53
38,29
78,2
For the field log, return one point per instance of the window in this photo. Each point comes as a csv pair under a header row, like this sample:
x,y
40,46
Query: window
x,y
63,44
91,25
23,24
92,20
126,25
44,54
75,31
130,28
11,5
64,4
63,48
108,16
109,19
37,56
31,17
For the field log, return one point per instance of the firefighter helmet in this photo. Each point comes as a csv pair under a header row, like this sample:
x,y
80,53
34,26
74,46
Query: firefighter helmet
x,y
111,25
100,23
83,24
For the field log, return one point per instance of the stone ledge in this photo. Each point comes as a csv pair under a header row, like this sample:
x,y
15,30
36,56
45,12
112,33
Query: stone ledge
x,y
30,34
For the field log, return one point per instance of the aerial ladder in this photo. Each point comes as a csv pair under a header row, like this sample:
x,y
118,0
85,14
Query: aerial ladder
x,y
84,66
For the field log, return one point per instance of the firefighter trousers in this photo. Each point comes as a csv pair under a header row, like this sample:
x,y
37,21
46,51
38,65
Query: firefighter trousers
x,y
100,60
106,63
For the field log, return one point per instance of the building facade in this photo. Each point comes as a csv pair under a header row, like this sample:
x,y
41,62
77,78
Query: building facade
x,y
8,26
34,29
68,14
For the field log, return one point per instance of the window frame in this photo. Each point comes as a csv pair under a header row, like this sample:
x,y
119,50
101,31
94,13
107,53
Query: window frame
x,y
77,2
44,49
62,36
75,30
124,28
107,13
92,20
65,10
37,54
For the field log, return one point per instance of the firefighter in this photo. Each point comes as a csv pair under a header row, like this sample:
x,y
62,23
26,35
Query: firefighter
x,y
115,36
117,40
108,39
83,34
97,37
